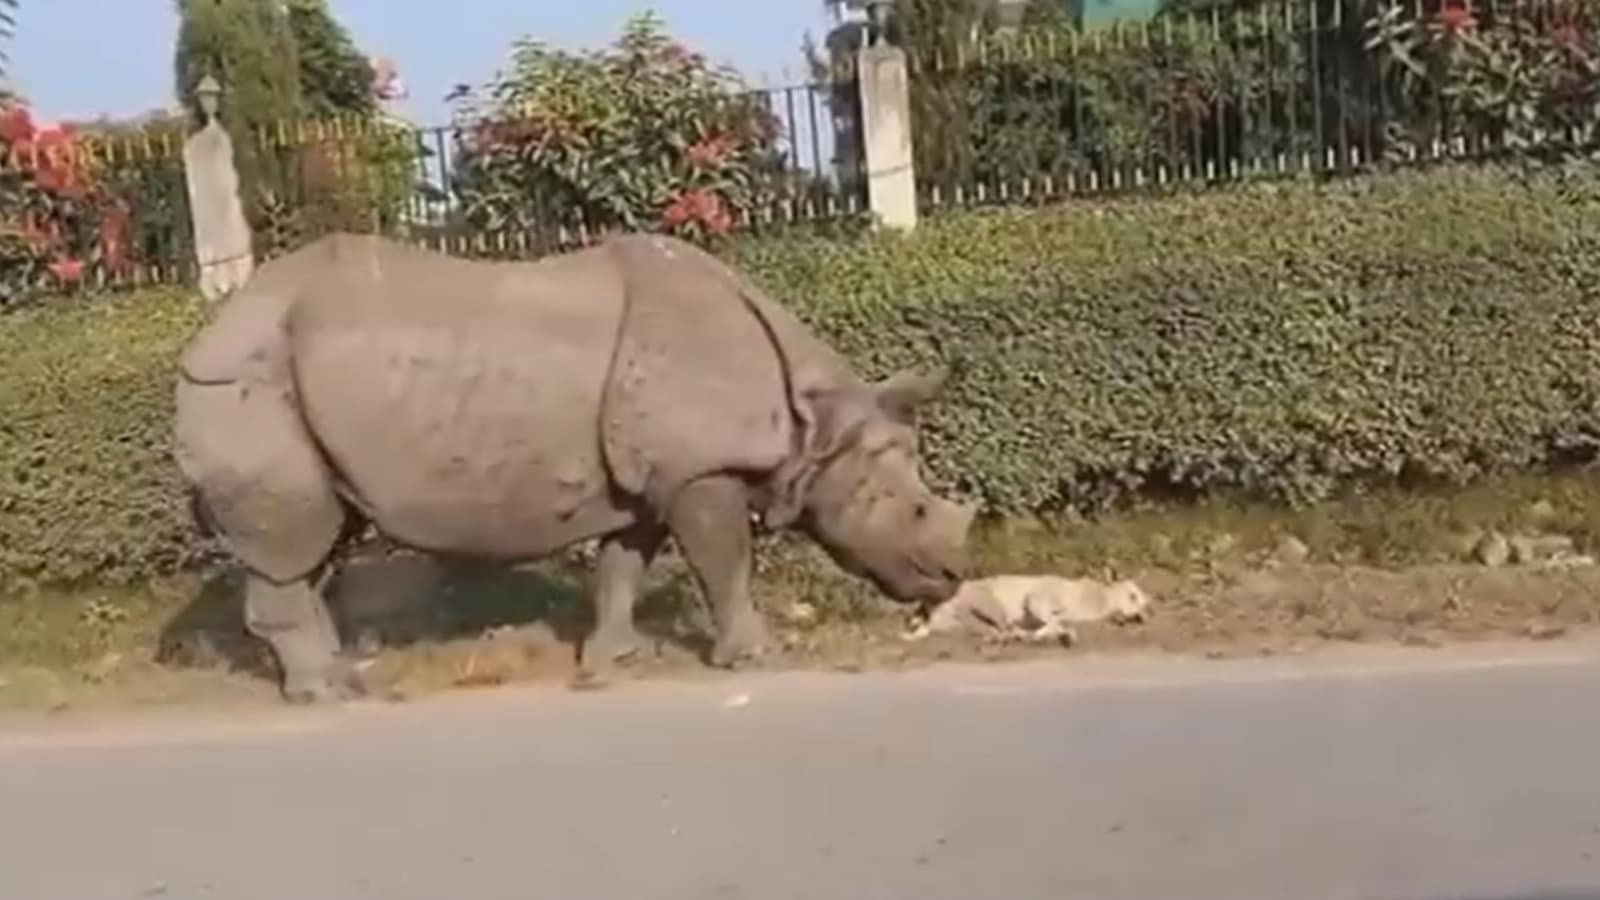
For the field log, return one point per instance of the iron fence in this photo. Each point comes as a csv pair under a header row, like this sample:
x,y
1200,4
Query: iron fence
x,y
113,209
1197,96
479,187
1269,88
103,211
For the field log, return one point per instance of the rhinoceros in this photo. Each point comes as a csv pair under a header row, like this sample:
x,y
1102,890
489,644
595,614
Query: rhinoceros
x,y
637,389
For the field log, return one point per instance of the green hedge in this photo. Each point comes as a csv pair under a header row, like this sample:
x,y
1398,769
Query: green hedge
x,y
1279,339
87,486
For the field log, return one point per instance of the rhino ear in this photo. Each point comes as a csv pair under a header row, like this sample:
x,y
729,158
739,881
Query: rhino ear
x,y
902,393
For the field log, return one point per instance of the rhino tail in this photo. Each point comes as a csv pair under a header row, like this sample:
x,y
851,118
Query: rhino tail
x,y
199,515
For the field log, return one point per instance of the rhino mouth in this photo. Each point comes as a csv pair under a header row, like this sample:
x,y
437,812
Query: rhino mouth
x,y
914,582
939,584
900,591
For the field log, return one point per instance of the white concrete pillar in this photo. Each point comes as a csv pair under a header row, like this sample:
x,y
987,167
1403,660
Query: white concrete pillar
x,y
886,136
222,239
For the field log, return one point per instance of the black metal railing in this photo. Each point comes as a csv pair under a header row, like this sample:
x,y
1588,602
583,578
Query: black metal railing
x,y
1240,90
477,187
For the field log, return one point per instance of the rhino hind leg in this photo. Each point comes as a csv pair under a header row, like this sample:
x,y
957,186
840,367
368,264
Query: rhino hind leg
x,y
294,620
619,572
267,493
710,518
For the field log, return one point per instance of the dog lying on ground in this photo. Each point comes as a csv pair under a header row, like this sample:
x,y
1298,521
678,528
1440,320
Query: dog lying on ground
x,y
1033,608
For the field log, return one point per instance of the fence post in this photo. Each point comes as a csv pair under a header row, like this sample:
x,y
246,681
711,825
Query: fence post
x,y
886,135
222,240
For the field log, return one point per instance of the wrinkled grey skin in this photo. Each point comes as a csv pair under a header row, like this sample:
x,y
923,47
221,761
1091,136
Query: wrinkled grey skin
x,y
629,392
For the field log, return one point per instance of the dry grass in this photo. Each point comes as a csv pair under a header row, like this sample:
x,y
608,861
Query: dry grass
x,y
1381,567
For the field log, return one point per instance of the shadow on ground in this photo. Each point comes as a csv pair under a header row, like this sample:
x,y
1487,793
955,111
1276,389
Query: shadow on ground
x,y
479,623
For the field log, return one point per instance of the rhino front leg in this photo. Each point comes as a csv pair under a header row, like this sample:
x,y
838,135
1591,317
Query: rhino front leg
x,y
624,558
293,619
711,521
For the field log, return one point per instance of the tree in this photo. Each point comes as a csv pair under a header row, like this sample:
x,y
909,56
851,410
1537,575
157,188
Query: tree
x,y
249,47
8,25
335,77
281,62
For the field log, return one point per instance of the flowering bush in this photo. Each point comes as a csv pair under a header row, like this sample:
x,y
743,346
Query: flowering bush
x,y
1515,78
642,135
57,223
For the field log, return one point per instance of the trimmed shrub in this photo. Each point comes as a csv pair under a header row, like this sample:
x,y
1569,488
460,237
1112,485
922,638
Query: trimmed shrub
x,y
1282,340
88,490
1276,339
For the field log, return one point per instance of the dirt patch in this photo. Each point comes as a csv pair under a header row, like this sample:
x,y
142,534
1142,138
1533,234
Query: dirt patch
x,y
1283,609
1227,580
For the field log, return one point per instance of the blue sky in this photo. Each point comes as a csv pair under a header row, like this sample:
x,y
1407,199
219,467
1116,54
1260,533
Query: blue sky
x,y
81,58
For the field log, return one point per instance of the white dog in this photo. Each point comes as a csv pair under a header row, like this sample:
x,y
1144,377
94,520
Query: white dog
x,y
1033,607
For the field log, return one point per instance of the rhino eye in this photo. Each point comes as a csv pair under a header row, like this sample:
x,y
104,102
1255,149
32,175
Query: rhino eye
x,y
921,511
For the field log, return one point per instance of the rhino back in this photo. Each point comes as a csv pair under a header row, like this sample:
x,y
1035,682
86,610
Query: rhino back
x,y
459,400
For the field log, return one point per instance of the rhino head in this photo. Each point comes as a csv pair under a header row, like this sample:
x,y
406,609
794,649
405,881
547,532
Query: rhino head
x,y
858,491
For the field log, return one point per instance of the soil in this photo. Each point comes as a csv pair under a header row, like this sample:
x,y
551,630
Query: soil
x,y
432,634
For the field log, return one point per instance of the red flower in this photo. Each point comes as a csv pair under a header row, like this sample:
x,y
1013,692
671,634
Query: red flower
x,y
678,212
709,153
701,207
1454,19
1566,36
114,228
66,269
58,178
16,125
53,155
386,83
718,220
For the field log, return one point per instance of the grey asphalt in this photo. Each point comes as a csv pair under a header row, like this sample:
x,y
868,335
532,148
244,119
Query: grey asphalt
x,y
1380,775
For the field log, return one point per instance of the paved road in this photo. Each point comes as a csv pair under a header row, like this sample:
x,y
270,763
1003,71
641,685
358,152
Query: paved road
x,y
1378,776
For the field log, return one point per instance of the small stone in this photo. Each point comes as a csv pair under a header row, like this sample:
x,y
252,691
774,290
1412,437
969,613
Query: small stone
x,y
1522,550
801,613
1541,511
1492,550
1221,545
368,644
1464,544
103,668
1291,550
1551,546
1544,632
